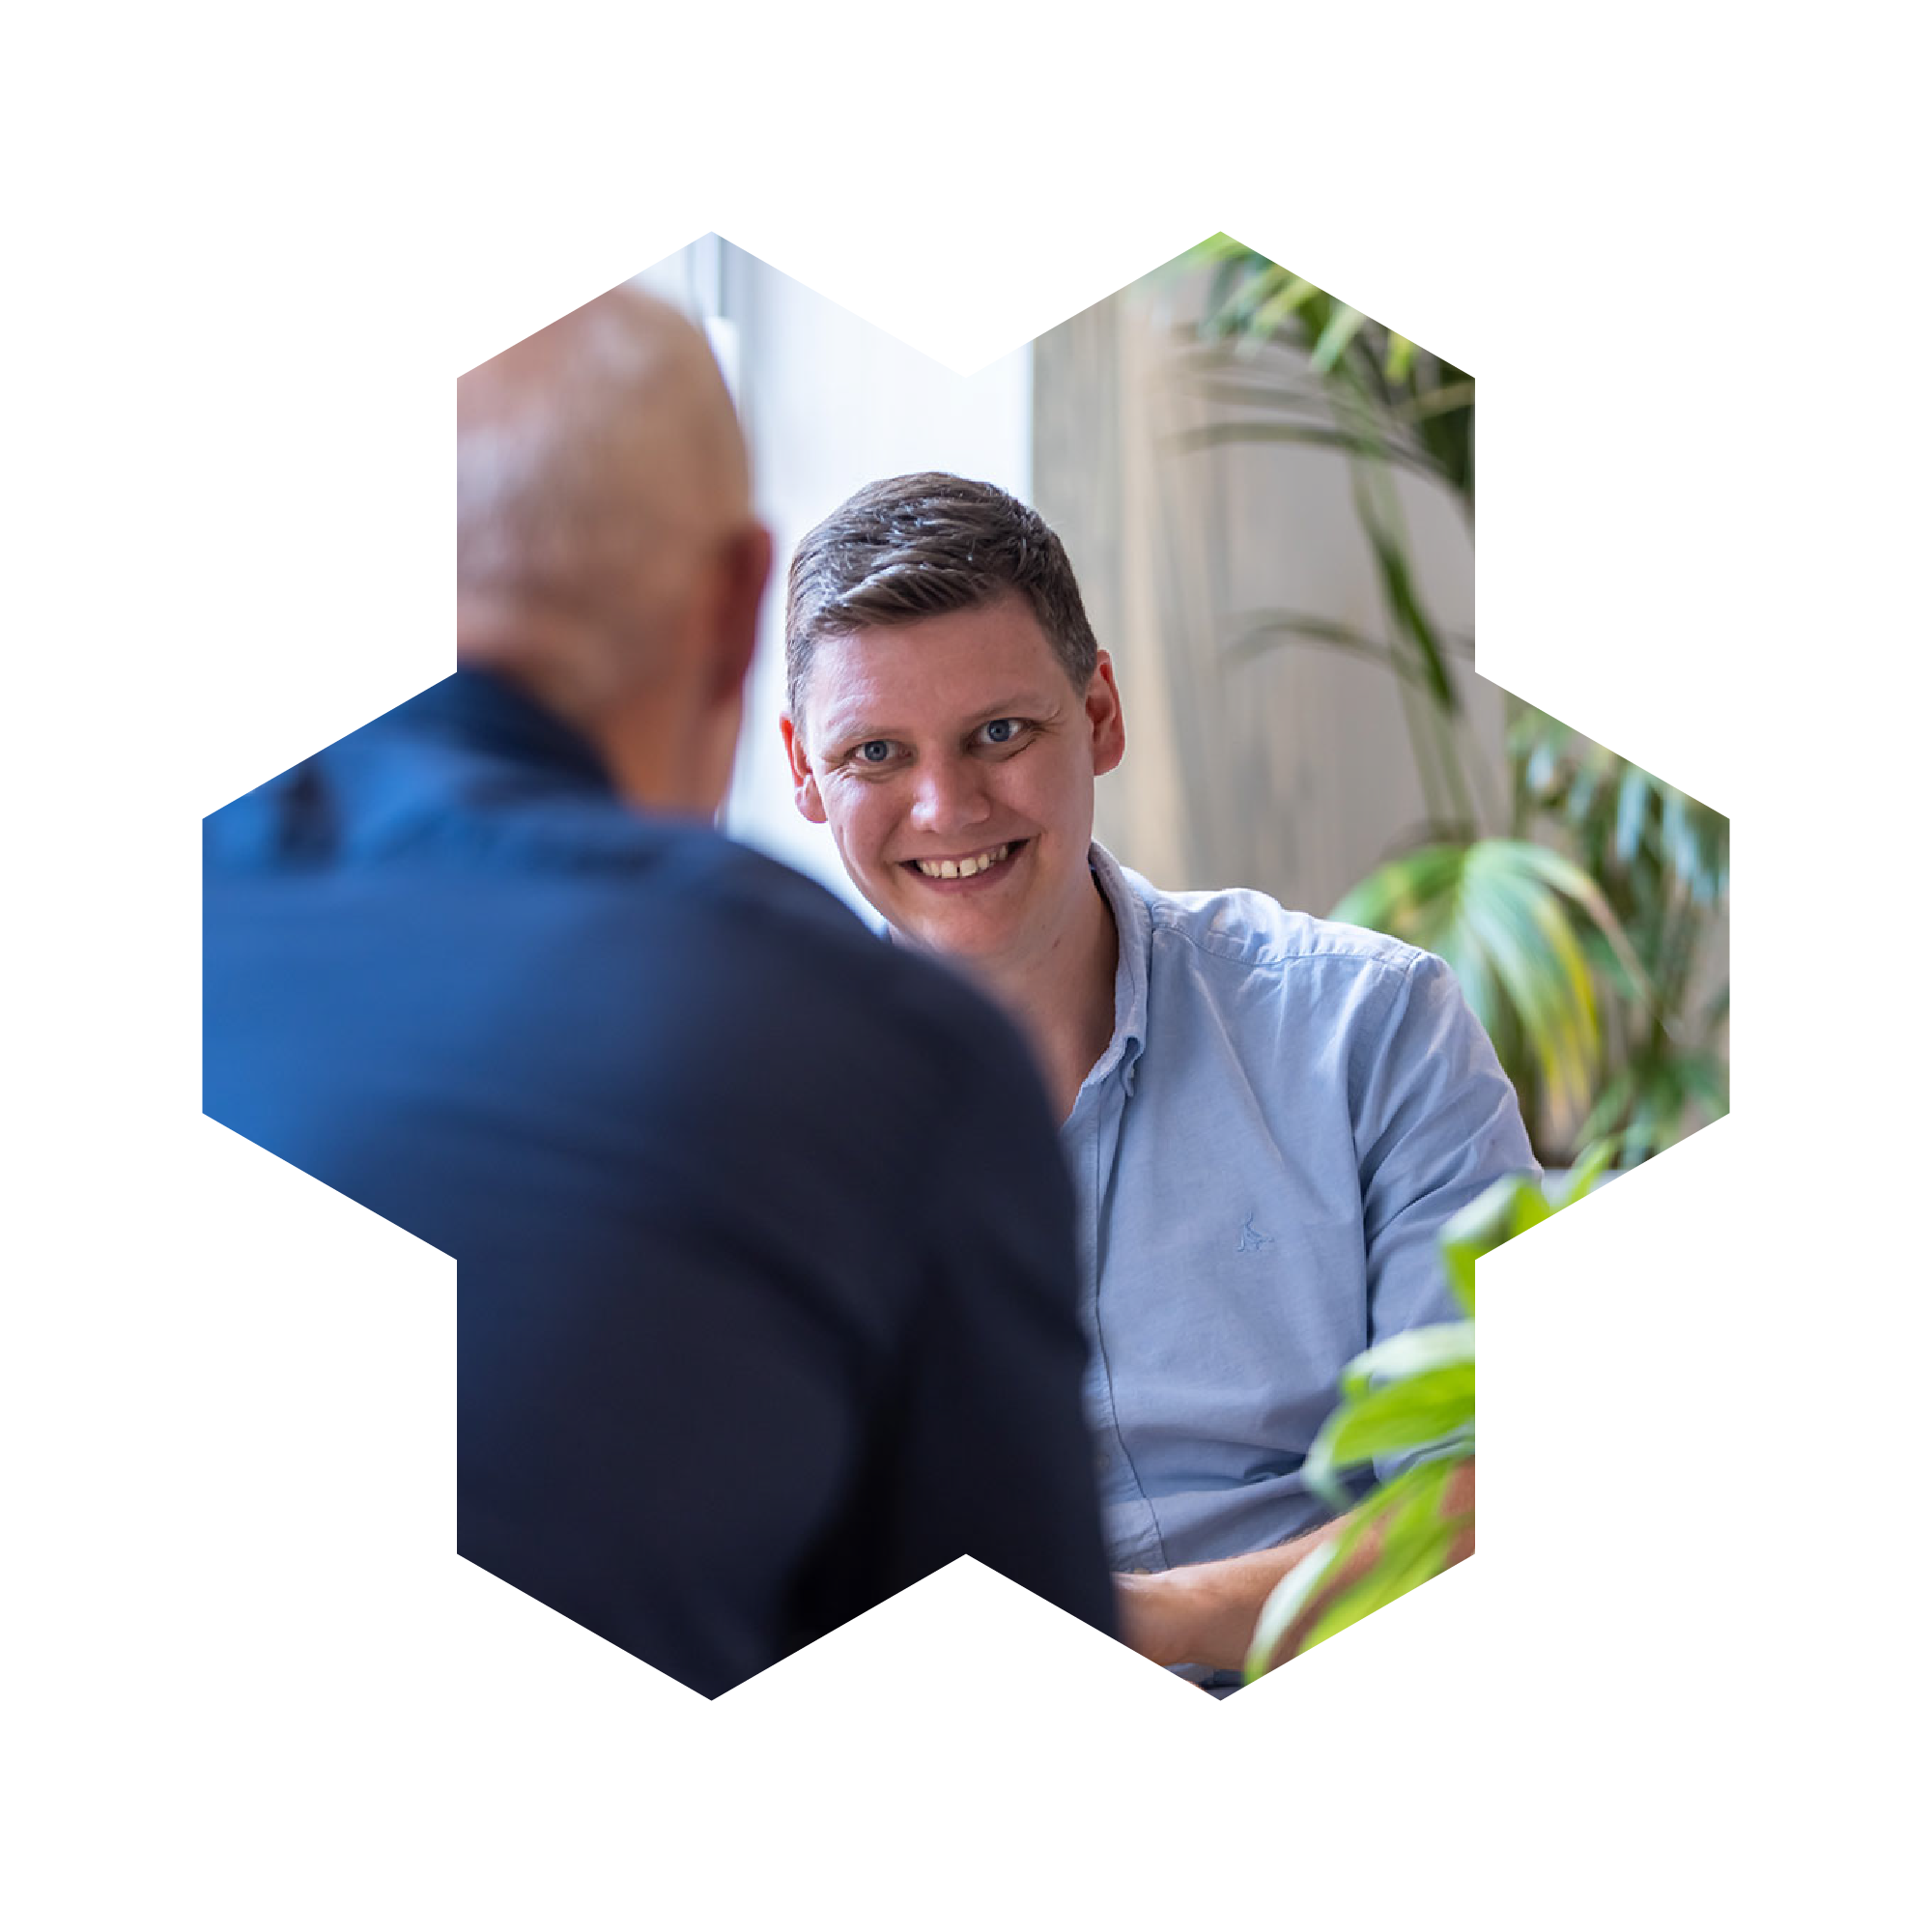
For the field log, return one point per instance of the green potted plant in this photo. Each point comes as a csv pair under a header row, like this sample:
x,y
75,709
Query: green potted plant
x,y
1412,1398
1583,928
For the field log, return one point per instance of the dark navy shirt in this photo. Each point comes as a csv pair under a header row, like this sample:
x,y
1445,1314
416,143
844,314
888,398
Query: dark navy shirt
x,y
766,1278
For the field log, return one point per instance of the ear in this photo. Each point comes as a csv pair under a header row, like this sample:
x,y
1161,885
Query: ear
x,y
803,787
1103,716
744,568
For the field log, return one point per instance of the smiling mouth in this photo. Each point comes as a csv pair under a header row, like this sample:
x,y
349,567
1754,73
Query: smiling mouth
x,y
968,867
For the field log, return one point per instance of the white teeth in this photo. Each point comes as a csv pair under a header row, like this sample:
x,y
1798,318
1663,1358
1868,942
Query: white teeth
x,y
962,869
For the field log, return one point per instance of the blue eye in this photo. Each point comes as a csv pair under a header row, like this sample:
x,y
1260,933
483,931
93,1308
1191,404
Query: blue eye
x,y
1003,731
875,751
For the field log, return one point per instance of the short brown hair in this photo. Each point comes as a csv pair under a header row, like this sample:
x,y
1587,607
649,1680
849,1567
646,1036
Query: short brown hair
x,y
923,545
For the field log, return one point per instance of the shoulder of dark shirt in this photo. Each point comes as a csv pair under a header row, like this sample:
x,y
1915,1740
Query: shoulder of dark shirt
x,y
804,928
613,865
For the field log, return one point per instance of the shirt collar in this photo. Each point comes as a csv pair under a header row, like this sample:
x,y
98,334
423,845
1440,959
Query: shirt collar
x,y
481,709
1133,924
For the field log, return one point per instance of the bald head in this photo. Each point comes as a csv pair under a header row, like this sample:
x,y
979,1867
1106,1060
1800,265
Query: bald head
x,y
603,527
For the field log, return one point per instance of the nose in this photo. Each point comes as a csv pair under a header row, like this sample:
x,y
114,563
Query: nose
x,y
949,797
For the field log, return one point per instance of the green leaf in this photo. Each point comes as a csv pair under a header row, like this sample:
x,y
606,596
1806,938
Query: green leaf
x,y
1704,1079
1290,1597
1612,1104
1541,766
1408,1558
1410,894
1591,1166
1399,589
1401,357
1448,439
1295,624
1571,993
1435,1345
1506,914
1336,335
1477,978
1570,879
1680,848
1292,294
1496,909
1218,317
1407,1510
1513,1212
1285,1603
1532,946
1469,1280
1591,771
1614,972
1443,402
1633,794
1552,1035
1423,1411
1354,443
1713,842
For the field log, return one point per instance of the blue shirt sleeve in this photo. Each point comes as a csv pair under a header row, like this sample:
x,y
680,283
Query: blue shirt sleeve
x,y
1439,1122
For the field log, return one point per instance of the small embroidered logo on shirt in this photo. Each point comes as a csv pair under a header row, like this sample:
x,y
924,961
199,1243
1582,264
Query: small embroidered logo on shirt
x,y
1252,1240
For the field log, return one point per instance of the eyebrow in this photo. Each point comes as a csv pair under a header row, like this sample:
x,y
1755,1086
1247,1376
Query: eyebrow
x,y
1024,704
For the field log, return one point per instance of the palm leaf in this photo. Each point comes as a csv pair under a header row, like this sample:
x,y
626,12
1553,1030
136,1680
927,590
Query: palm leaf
x,y
1505,915
1340,329
1612,1104
1281,303
1221,289
1634,796
1405,607
1265,629
1407,892
1316,435
1565,876
1534,952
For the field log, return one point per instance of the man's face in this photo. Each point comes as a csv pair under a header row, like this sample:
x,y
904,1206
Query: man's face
x,y
960,742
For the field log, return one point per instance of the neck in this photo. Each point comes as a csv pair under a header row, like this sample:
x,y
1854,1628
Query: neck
x,y
1063,999
663,749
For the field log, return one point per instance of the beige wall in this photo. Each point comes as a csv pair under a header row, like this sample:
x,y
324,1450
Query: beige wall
x,y
1288,769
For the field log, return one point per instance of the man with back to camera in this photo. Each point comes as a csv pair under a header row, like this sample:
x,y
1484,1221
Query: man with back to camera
x,y
1267,1117
766,1293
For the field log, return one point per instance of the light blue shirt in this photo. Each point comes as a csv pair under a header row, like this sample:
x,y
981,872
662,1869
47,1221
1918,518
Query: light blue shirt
x,y
1285,1115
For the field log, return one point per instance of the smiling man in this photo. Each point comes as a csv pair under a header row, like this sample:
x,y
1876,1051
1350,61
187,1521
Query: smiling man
x,y
1267,1117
